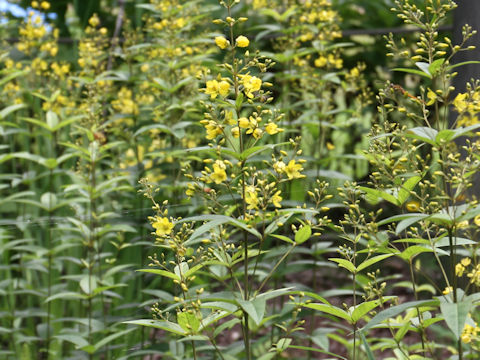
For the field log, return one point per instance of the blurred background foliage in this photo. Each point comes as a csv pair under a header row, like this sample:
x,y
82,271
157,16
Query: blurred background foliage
x,y
93,107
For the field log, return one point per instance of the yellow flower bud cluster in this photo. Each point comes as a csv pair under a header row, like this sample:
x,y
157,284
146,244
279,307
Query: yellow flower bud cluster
x,y
125,103
469,333
93,46
329,61
33,34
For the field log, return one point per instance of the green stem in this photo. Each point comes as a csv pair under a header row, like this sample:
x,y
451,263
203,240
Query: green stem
x,y
273,270
49,270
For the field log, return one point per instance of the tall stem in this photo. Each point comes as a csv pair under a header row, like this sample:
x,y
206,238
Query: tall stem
x,y
49,270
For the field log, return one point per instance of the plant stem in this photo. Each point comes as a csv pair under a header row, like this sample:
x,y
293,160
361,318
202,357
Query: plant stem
x,y
49,270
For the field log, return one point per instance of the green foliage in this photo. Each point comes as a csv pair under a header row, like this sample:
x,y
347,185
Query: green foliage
x,y
268,224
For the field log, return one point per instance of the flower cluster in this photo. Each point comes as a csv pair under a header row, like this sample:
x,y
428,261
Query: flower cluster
x,y
92,48
469,333
467,105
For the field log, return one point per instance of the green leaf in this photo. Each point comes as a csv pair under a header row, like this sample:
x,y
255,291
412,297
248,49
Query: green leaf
x,y
275,293
283,344
367,347
159,324
451,67
402,225
394,311
220,305
188,321
267,356
49,201
239,101
12,76
408,186
10,109
363,309
441,219
372,261
375,194
308,348
425,67
254,308
435,66
444,136
303,234
220,219
413,71
77,340
248,153
345,264
88,284
462,131
283,238
418,216
110,338
425,134
68,295
412,251
160,127
455,315
162,273
330,309
52,119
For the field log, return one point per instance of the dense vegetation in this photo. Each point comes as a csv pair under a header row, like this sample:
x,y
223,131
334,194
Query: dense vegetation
x,y
203,180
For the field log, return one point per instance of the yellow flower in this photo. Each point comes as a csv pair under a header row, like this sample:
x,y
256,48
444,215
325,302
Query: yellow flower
x,y
469,332
94,21
236,132
229,118
432,97
462,224
447,290
321,61
190,190
354,72
251,84
475,275
221,42
460,103
219,174
213,129
257,133
476,220
466,261
251,197
272,128
279,167
45,5
276,198
162,226
213,88
243,122
242,41
223,88
412,206
459,270
293,170
330,146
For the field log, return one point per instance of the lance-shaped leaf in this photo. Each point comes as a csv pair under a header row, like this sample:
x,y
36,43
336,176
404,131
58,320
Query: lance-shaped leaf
x,y
159,324
455,315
